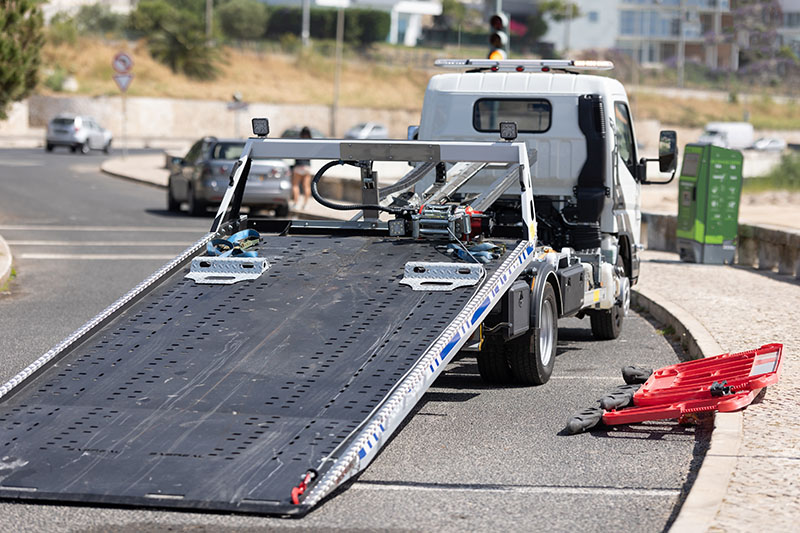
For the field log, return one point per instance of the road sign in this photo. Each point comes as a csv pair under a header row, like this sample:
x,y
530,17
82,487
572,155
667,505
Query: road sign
x,y
122,64
123,81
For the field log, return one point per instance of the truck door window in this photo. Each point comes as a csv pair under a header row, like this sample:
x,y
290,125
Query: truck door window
x,y
532,115
624,132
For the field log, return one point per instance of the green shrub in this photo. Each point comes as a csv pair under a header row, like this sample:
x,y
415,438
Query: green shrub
x,y
362,27
243,19
55,79
100,20
785,176
175,33
62,30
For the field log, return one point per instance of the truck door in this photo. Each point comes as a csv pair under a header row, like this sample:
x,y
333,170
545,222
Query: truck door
x,y
625,189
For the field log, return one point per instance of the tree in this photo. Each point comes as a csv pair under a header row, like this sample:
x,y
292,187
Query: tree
x,y
175,32
21,40
243,19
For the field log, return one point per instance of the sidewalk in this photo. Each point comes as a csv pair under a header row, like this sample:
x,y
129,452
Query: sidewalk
x,y
741,309
749,477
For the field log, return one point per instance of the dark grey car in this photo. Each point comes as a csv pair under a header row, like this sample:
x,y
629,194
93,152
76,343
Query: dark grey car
x,y
202,176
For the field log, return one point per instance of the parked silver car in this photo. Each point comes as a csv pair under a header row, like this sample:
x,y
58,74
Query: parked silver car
x,y
202,176
77,132
367,130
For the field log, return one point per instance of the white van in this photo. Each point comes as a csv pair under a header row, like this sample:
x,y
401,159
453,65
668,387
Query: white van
x,y
734,135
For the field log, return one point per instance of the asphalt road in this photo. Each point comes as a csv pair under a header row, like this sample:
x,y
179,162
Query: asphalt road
x,y
472,458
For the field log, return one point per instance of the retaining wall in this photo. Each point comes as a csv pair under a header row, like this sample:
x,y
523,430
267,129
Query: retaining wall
x,y
159,118
761,247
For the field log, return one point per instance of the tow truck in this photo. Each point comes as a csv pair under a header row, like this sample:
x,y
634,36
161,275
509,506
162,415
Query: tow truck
x,y
270,361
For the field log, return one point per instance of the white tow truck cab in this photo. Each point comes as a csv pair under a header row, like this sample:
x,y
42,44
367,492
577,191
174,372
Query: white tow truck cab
x,y
587,173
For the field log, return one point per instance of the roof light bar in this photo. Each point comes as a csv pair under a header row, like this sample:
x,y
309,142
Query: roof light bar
x,y
520,65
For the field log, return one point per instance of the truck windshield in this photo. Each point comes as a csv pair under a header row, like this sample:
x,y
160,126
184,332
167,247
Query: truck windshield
x,y
227,151
531,115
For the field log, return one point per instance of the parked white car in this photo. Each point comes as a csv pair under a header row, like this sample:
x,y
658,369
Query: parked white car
x,y
770,144
367,130
77,133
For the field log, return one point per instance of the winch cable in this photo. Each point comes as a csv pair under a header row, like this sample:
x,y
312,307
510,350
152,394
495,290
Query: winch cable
x,y
345,207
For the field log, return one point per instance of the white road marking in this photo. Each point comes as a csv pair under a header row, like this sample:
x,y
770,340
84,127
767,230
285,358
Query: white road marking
x,y
603,378
98,257
17,227
21,164
99,243
516,489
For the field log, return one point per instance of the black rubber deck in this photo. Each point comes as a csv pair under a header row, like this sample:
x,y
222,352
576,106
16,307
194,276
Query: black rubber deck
x,y
222,397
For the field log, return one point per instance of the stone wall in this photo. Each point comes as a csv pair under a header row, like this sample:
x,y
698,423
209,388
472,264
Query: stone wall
x,y
761,247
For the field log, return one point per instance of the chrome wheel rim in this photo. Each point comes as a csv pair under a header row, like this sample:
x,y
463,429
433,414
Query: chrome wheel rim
x,y
546,332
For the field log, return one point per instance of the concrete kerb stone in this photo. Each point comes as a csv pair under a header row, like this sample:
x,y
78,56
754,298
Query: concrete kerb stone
x,y
5,262
708,490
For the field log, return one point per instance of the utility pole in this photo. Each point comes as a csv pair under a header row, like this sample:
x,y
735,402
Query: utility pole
x,y
338,72
681,42
209,10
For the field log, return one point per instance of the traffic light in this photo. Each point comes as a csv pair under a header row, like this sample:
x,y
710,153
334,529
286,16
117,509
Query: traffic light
x,y
498,36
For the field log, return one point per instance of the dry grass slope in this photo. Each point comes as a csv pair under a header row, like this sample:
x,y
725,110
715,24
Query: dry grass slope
x,y
258,76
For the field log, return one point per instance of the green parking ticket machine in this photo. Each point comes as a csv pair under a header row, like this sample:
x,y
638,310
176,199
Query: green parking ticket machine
x,y
709,189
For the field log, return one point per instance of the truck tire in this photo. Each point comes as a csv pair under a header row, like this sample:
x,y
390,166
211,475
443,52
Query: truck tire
x,y
173,205
533,355
607,323
282,211
492,362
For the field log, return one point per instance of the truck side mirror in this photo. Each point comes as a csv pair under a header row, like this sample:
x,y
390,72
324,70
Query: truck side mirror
x,y
413,133
667,151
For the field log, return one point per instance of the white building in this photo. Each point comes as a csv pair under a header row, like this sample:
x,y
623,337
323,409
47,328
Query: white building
x,y
596,28
52,7
789,31
406,15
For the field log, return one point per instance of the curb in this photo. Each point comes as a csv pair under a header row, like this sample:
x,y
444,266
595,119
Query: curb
x,y
707,493
128,177
5,262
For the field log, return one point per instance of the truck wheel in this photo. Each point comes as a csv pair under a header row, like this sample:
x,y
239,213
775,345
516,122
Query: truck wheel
x,y
196,206
172,204
85,147
533,355
492,362
49,147
607,323
282,211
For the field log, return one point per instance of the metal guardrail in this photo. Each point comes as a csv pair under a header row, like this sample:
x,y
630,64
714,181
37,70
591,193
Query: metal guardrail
x,y
760,247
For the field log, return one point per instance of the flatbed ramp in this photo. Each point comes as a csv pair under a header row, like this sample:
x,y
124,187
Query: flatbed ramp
x,y
223,397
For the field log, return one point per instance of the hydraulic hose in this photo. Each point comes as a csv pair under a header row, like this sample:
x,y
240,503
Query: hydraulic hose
x,y
344,207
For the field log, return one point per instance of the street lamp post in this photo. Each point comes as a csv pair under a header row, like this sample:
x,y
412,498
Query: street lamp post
x,y
305,32
681,42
